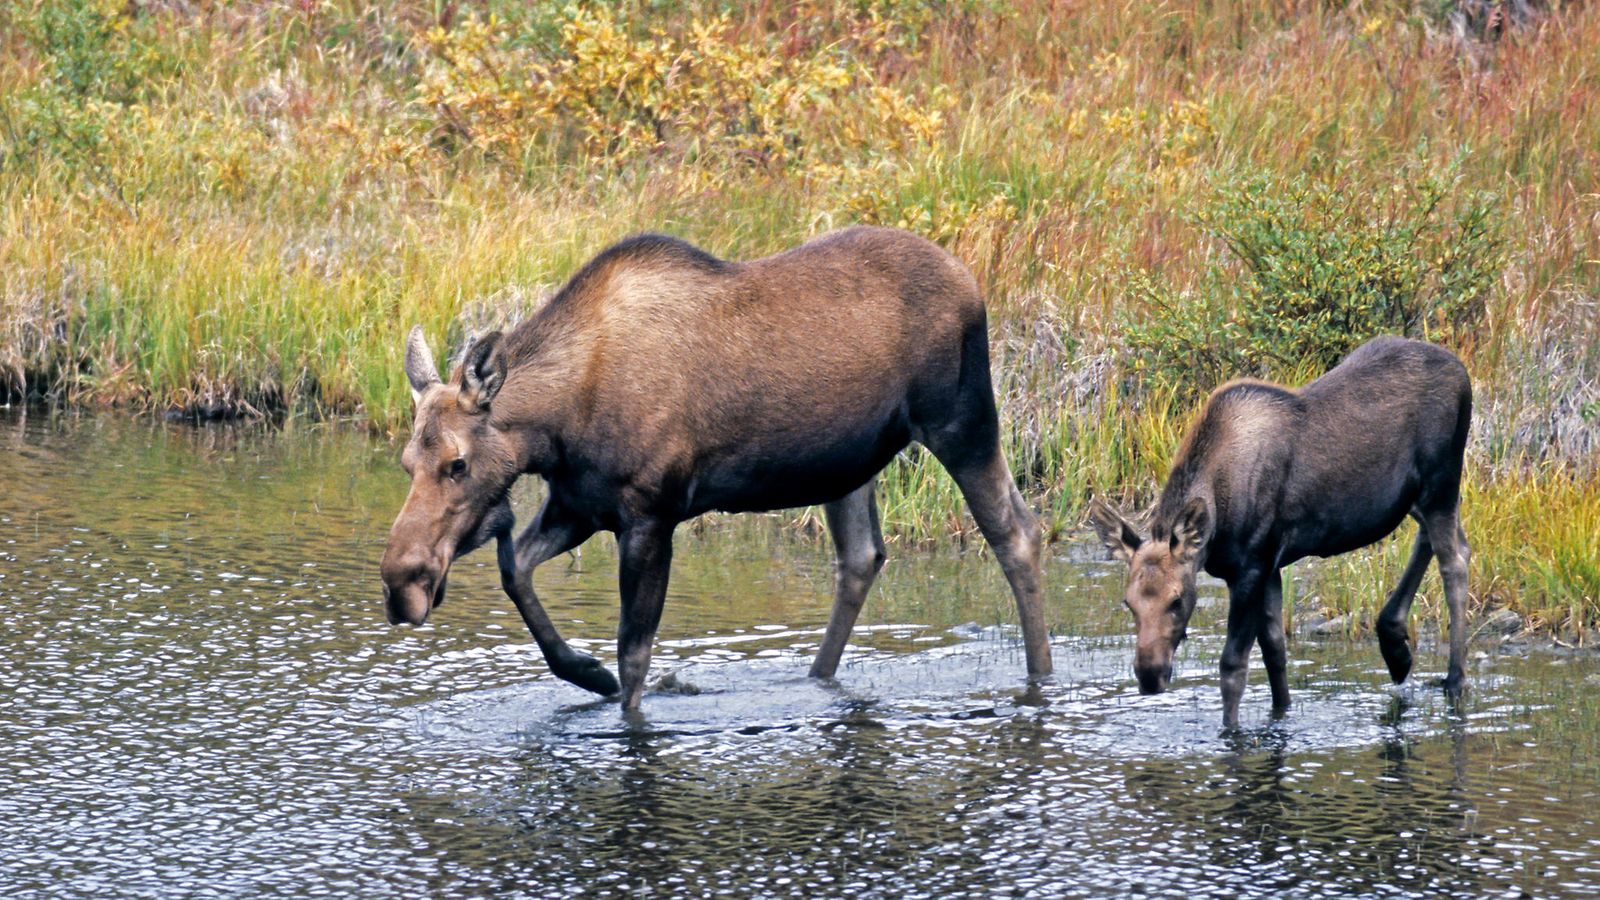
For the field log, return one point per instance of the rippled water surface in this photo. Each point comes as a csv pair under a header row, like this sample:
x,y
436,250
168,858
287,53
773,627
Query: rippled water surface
x,y
198,694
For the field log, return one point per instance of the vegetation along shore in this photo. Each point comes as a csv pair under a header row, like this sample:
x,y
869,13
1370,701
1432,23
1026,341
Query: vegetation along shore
x,y
239,209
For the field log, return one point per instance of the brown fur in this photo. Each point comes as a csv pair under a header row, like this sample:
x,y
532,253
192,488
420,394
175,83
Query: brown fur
x,y
661,383
1267,475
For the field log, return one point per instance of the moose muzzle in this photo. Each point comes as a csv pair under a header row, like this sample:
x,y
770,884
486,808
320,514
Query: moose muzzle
x,y
1153,668
410,592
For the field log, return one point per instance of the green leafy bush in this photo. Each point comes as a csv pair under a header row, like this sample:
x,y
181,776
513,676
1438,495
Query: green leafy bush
x,y
1315,267
95,58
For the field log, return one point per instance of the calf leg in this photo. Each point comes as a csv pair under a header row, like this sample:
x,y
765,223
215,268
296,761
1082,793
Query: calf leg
x,y
646,551
1394,640
550,535
858,543
1450,547
1013,533
1274,644
1244,624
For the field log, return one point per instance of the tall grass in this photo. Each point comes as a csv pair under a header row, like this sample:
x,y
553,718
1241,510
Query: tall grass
x,y
240,208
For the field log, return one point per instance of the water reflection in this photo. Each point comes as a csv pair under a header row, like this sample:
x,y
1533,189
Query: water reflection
x,y
854,801
202,697
1396,817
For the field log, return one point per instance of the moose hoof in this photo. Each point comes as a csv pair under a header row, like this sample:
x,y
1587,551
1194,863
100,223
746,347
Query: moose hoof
x,y
586,672
1454,684
1230,722
1397,656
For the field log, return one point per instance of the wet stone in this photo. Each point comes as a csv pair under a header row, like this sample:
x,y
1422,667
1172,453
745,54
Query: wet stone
x,y
1502,622
1337,626
1308,622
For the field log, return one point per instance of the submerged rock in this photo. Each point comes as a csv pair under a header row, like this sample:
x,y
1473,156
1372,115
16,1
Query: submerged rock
x,y
1309,622
1320,625
1502,621
670,683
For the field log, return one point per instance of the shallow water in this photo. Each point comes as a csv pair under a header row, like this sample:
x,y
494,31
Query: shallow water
x,y
201,696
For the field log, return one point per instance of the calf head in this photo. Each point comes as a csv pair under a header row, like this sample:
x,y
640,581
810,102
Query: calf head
x,y
1161,578
461,468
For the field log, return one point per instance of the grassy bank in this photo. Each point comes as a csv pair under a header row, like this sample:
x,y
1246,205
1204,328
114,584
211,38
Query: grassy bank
x,y
242,208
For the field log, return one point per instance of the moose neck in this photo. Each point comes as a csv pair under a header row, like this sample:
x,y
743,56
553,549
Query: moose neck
x,y
1186,481
1190,480
544,374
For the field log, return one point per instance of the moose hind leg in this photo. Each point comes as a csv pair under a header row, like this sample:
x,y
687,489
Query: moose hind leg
x,y
1454,555
1013,533
1394,638
858,545
646,551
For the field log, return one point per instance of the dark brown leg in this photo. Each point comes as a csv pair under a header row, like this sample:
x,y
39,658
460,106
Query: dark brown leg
x,y
1274,643
962,430
1394,638
1244,623
646,551
550,535
1013,533
1450,547
858,545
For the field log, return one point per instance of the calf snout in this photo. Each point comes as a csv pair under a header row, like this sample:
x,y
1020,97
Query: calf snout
x,y
1152,665
1154,679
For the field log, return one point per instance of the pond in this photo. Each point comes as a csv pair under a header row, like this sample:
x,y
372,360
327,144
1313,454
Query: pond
x,y
201,697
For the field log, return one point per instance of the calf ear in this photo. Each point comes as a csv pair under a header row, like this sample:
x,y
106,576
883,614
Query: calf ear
x,y
1116,532
483,371
1192,529
420,370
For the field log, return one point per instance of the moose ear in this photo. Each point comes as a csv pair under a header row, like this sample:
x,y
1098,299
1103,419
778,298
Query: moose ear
x,y
1192,529
420,370
1116,532
483,371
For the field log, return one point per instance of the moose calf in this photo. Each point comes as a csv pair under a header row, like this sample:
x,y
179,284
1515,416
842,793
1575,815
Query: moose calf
x,y
1267,475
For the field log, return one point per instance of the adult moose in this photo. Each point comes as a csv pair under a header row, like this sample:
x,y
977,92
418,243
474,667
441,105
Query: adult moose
x,y
662,382
1268,475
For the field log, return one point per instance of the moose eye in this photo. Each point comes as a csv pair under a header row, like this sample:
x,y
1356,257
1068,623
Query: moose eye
x,y
1177,606
458,467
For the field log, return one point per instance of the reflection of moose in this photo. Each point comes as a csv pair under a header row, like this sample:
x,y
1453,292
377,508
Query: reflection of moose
x,y
661,383
1267,475
1265,825
819,803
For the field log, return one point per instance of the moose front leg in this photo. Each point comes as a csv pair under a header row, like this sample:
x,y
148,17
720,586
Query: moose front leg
x,y
858,543
646,551
1274,642
1244,624
550,535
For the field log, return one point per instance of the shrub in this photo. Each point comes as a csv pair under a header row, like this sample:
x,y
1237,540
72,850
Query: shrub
x,y
1314,267
96,57
618,92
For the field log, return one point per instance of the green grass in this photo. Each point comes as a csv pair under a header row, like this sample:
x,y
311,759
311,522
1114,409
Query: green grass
x,y
243,207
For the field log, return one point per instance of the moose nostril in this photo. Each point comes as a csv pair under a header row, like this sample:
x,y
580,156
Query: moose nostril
x,y
1153,681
